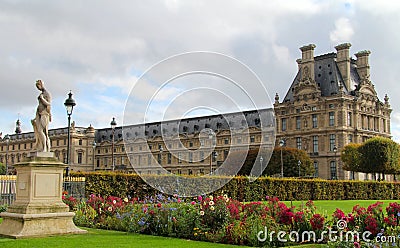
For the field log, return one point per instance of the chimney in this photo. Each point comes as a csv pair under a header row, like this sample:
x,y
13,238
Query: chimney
x,y
363,64
343,62
307,62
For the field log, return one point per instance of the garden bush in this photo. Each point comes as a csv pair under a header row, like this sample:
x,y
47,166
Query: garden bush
x,y
240,188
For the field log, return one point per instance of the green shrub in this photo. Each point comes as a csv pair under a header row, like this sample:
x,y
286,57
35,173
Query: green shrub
x,y
240,188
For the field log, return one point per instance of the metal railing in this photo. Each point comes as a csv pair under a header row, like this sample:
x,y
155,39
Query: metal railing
x,y
7,189
75,186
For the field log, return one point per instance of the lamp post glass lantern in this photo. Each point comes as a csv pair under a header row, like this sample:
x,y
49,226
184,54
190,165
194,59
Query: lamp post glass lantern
x,y
261,161
69,105
113,125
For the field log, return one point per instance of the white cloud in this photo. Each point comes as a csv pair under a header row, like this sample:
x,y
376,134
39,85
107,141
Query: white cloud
x,y
343,31
105,45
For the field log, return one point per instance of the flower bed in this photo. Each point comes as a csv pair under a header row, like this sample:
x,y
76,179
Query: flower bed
x,y
225,220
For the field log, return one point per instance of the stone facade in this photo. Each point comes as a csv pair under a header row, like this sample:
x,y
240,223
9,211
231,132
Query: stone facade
x,y
331,103
21,144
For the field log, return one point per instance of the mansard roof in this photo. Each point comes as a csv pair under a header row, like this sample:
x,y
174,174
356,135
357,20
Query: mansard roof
x,y
327,77
189,126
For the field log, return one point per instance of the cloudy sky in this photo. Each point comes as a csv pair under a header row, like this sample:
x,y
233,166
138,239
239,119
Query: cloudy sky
x,y
99,49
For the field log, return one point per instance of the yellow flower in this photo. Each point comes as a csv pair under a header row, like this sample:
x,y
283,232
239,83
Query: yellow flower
x,y
212,208
195,234
211,197
126,199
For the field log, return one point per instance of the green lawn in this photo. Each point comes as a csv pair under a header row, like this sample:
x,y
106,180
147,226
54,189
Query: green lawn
x,y
328,207
105,238
108,239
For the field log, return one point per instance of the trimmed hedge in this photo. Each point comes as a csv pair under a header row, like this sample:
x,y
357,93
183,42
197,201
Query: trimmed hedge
x,y
240,188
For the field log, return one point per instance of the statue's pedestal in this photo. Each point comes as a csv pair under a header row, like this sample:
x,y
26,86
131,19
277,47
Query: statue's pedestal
x,y
38,209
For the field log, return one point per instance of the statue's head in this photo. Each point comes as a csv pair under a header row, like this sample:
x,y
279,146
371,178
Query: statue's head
x,y
39,84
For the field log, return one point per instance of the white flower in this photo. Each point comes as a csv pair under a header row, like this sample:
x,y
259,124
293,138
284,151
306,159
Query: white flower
x,y
211,203
201,212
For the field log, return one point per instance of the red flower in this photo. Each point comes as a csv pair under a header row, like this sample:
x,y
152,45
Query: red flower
x,y
317,222
371,224
338,214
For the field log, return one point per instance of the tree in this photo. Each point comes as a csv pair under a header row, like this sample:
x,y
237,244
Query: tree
x,y
290,158
351,157
2,169
380,155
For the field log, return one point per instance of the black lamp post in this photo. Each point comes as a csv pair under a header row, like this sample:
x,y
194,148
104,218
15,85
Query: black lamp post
x,y
7,139
299,163
336,165
113,125
69,105
281,144
210,137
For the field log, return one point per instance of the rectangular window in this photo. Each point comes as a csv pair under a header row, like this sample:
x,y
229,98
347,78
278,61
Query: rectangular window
x,y
149,157
79,158
226,152
331,119
190,157
298,122
105,162
139,159
179,157
169,158
98,163
226,141
315,144
252,139
349,119
283,124
332,142
314,121
350,138
333,170
315,169
298,143
239,140
214,156
159,158
201,156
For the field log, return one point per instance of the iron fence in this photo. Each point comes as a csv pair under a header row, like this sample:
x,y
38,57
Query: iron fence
x,y
74,186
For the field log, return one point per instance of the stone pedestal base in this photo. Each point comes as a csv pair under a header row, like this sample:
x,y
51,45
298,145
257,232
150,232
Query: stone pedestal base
x,y
38,209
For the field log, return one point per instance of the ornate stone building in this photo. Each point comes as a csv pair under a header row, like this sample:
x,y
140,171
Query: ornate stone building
x,y
81,153
331,103
187,146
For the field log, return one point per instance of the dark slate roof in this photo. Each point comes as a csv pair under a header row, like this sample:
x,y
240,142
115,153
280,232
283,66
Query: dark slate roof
x,y
52,132
327,77
254,118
